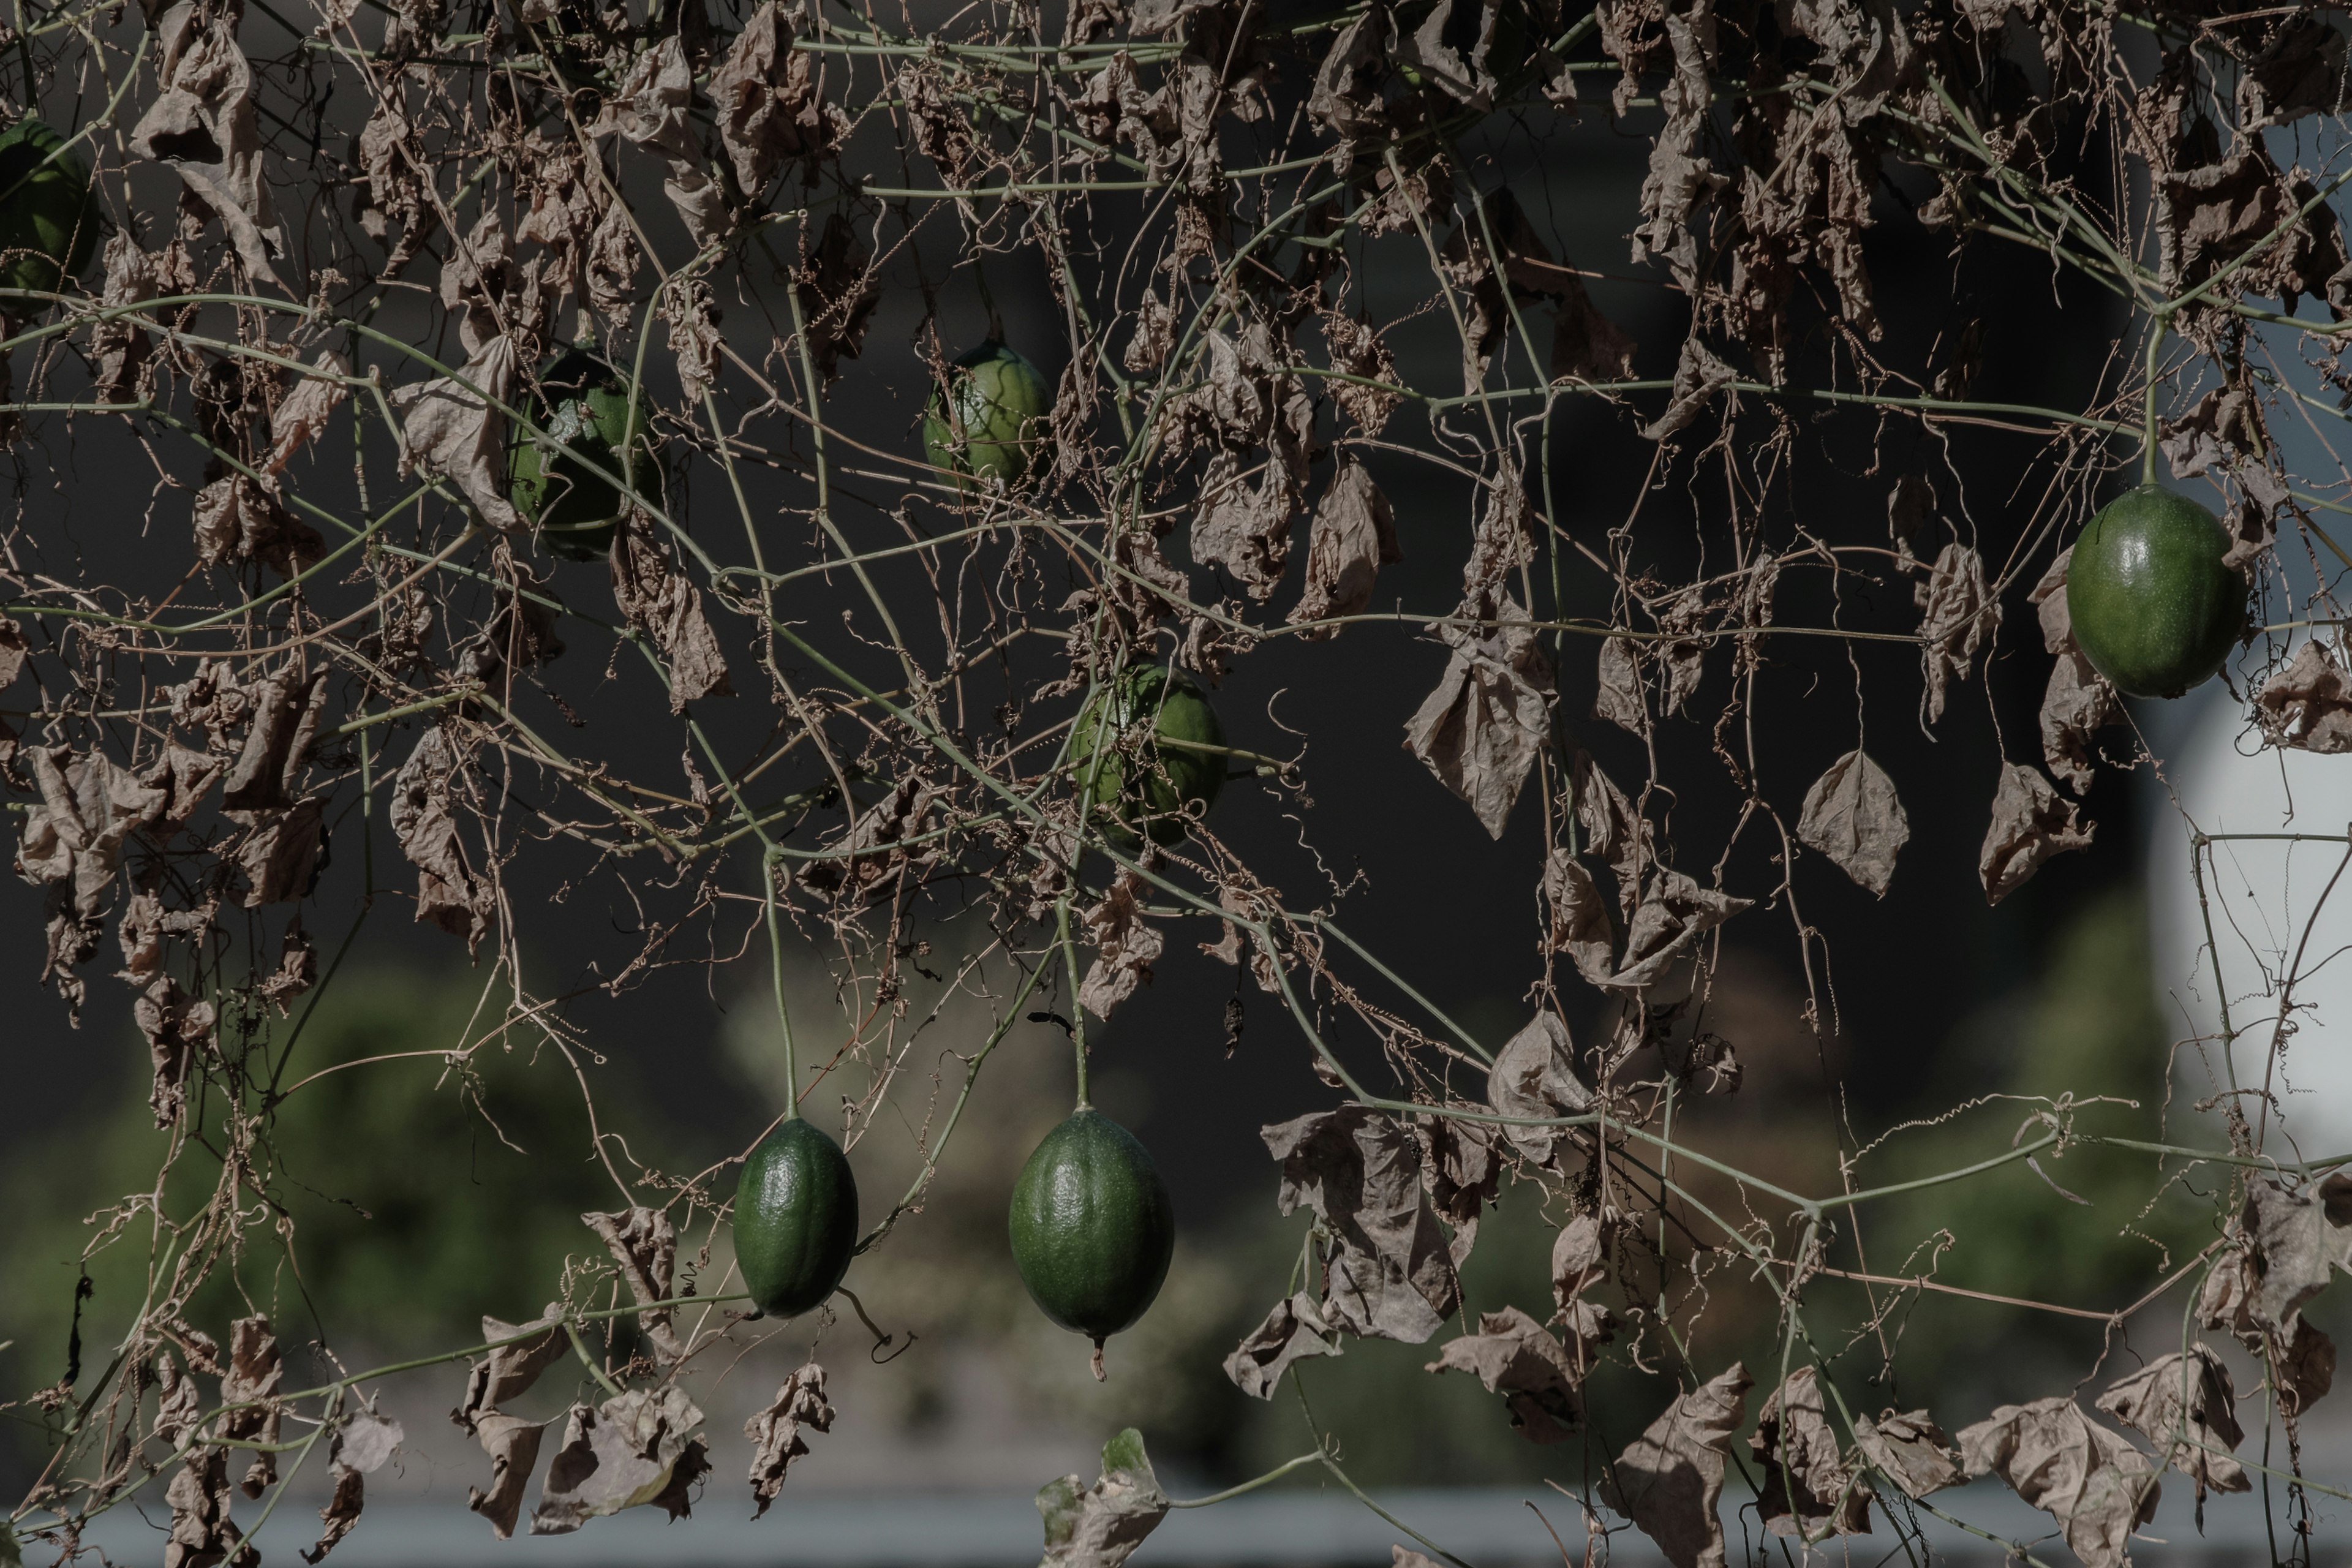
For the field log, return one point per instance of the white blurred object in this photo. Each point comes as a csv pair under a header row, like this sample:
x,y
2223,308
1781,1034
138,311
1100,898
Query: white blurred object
x,y
2262,894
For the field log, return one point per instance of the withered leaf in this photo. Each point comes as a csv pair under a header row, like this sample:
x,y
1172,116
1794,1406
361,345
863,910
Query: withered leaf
x,y
1699,377
1617,687
2307,705
1356,351
1910,1450
510,1368
1852,815
1679,177
178,1026
340,1514
359,1449
1294,1330
1450,49
1354,536
1670,1479
624,1453
1579,1259
837,295
2302,1358
1579,918
1100,1526
2186,1402
281,855
650,109
1674,913
307,408
2076,705
2096,1485
203,1534
1809,1489
449,892
1125,946
1459,1168
1612,827
1513,1357
452,428
203,122
512,1445
1391,1276
2030,822
119,346
775,1432
2300,1240
249,1395
667,608
2299,71
1961,615
645,1246
1534,1077
1481,729
769,106
237,517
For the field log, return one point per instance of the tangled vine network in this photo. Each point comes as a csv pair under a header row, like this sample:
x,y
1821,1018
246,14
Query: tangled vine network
x,y
482,254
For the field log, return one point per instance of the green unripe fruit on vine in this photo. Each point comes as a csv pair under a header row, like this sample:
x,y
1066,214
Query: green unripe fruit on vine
x,y
1092,1227
49,213
1139,755
795,1219
990,418
583,404
2155,609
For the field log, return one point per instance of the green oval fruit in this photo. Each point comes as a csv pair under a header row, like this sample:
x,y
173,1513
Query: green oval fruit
x,y
993,417
795,1219
49,213
583,404
2154,608
1118,785
1092,1227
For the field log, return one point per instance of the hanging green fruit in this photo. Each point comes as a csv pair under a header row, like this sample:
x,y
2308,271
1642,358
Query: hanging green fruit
x,y
1161,710
1092,1227
2155,609
581,402
993,417
795,1219
48,212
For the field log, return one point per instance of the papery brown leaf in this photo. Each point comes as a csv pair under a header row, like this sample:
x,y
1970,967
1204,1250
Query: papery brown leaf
x,y
1483,727
203,1534
775,1432
2301,1357
178,1027
1391,1275
448,431
1294,1330
1534,1077
624,1453
1674,913
120,348
2077,704
660,601
1450,49
645,1246
203,122
1579,1259
2298,71
2030,822
1611,828
1910,1450
509,1371
769,108
237,518
280,855
1670,1479
1617,686
1357,351
300,419
650,109
513,1446
837,295
1699,377
1513,1357
2307,705
179,1405
359,1450
1680,178
255,1372
449,892
1354,537
1125,947
1853,814
1809,1489
1100,1526
871,858
1461,1172
2096,1485
2187,1402
1960,616
1579,918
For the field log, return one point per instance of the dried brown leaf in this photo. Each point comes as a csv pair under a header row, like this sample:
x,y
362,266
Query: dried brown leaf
x,y
775,1432
1513,1357
645,1246
1534,1078
2030,822
660,601
1100,1526
628,1451
1354,537
1294,1330
1482,728
1853,814
1910,1450
2307,705
1391,1275
1125,947
1670,1479
2186,1402
1810,1491
2096,1485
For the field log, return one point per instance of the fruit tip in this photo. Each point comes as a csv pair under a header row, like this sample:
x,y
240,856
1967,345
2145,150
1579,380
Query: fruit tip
x,y
1100,1375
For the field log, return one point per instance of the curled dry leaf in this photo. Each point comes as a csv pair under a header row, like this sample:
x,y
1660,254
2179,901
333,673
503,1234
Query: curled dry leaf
x,y
1483,727
650,110
249,1396
1125,946
1513,1357
359,1449
1617,687
2307,705
203,1535
775,1432
1674,913
1459,1168
512,1444
768,104
452,428
519,1352
636,1447
1670,1479
1100,1526
1354,537
204,125
178,1027
1810,1491
449,892
2077,704
1961,615
645,1246
298,420
1390,1273
2096,1485
1294,1330
1852,815
2030,822
1579,918
2186,1403
1699,377
1910,1450
1534,1078
667,608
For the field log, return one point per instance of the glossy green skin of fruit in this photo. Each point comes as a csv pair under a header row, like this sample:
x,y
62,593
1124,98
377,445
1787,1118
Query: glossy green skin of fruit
x,y
2155,610
1091,1225
1113,785
795,1219
49,213
583,404
1001,404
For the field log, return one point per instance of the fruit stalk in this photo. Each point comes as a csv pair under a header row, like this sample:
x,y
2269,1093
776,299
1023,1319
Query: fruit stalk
x,y
1078,1009
2158,326
776,972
